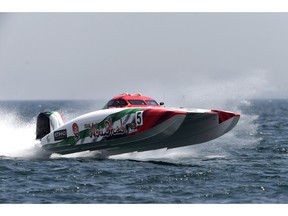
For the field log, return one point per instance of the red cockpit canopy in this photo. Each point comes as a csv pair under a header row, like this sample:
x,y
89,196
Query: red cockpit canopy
x,y
129,100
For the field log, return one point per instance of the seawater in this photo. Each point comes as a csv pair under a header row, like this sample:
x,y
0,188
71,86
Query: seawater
x,y
246,165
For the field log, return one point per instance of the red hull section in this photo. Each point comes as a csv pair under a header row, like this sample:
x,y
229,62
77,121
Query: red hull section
x,y
153,117
223,115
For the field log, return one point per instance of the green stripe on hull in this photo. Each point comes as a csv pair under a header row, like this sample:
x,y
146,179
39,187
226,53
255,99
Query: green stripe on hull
x,y
86,133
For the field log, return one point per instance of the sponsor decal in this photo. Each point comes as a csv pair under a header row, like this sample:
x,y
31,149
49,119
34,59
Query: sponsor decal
x,y
110,131
75,130
60,135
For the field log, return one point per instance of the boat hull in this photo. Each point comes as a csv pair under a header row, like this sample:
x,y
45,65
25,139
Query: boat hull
x,y
123,130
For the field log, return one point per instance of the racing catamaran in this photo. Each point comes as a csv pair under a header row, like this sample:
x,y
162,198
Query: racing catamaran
x,y
129,123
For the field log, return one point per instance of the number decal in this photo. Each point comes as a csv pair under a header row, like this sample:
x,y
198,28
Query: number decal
x,y
139,118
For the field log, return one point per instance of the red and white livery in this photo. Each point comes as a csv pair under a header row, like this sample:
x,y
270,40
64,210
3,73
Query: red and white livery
x,y
129,123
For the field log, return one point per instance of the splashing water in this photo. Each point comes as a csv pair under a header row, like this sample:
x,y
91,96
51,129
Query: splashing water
x,y
17,137
18,140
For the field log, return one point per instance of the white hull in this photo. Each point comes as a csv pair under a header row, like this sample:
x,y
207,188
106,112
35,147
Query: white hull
x,y
191,128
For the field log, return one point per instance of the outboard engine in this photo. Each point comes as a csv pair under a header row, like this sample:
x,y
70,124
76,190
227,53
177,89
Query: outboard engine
x,y
47,122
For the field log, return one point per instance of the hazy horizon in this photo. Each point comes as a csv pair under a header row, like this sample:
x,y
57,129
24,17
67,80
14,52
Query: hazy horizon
x,y
74,56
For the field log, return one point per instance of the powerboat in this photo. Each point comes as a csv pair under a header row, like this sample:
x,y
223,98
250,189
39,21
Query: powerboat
x,y
129,123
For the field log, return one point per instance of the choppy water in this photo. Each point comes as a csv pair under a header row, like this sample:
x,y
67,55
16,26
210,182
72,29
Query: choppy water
x,y
247,165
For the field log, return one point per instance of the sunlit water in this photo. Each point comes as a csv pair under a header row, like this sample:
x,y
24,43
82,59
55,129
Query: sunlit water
x,y
247,165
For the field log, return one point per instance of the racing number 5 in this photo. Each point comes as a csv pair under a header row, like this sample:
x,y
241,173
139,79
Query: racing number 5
x,y
139,118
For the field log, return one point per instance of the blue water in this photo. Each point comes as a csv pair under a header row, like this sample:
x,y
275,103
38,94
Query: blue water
x,y
247,165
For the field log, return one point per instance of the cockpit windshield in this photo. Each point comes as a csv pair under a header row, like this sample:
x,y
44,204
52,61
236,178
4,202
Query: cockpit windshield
x,y
136,102
116,103
152,102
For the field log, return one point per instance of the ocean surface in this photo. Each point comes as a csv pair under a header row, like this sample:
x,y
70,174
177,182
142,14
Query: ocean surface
x,y
247,165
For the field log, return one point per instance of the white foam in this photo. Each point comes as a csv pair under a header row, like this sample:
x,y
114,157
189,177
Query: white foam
x,y
17,137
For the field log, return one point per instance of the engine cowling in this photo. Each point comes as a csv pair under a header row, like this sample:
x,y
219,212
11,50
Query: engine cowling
x,y
47,122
